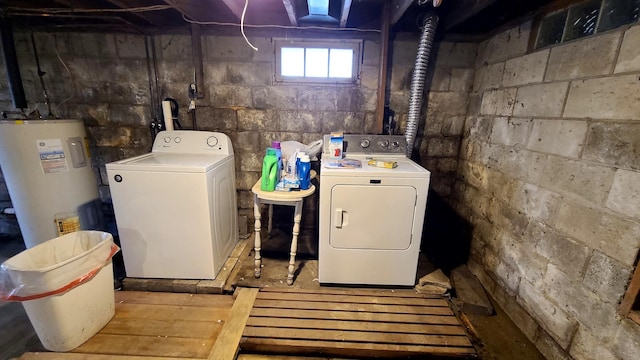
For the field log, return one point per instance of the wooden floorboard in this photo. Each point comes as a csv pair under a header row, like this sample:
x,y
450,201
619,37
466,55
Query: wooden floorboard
x,y
354,323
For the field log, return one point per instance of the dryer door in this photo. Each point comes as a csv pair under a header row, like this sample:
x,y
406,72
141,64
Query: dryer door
x,y
372,216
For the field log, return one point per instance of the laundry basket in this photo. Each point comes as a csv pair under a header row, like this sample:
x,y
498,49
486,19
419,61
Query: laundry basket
x,y
65,285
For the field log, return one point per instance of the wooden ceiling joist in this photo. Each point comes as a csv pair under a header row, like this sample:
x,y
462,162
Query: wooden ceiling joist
x,y
291,12
344,14
235,7
398,8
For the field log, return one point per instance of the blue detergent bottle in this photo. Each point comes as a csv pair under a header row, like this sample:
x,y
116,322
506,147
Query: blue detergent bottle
x,y
305,172
269,171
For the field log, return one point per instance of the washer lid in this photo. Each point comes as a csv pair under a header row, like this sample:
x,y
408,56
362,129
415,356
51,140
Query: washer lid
x,y
169,162
406,168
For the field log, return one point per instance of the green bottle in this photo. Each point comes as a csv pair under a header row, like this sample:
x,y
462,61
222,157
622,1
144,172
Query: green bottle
x,y
269,171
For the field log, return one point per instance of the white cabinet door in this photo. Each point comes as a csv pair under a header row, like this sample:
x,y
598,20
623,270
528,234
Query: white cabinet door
x,y
372,216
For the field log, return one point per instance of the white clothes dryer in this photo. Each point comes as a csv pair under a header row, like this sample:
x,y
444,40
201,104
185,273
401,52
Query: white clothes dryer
x,y
176,207
370,217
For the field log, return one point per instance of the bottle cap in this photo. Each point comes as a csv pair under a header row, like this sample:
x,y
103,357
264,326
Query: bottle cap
x,y
275,144
305,158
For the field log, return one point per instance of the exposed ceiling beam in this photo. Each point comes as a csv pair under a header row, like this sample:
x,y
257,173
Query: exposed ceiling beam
x,y
344,15
152,17
235,7
398,8
291,12
463,11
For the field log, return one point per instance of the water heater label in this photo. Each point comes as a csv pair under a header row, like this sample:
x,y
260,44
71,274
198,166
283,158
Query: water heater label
x,y
52,158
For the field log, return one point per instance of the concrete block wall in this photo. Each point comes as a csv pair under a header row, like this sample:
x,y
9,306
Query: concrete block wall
x,y
449,79
549,178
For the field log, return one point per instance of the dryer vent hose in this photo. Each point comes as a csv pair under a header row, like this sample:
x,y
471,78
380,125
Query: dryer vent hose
x,y
418,79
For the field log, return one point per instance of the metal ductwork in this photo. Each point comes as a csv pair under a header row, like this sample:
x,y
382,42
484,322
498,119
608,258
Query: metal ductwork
x,y
418,79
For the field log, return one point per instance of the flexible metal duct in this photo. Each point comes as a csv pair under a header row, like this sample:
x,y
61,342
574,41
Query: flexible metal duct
x,y
418,78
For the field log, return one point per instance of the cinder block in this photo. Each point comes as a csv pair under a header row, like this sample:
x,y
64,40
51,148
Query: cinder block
x,y
92,45
128,115
524,165
230,96
567,255
614,144
214,119
229,48
560,137
613,236
371,53
498,102
438,80
586,346
461,80
607,277
544,100
534,201
130,46
266,49
507,277
551,317
249,161
624,196
455,54
615,97
629,56
245,199
528,265
626,344
582,304
578,179
549,348
299,121
215,73
246,179
404,50
505,45
443,146
400,78
369,77
249,73
488,77
342,121
317,99
510,131
590,57
176,47
257,120
279,98
525,69
451,103
247,141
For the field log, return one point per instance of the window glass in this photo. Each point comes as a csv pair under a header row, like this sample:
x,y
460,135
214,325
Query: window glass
x,y
582,20
617,13
292,61
340,63
551,29
317,62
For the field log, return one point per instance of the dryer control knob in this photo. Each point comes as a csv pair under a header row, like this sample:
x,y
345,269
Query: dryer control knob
x,y
384,144
212,141
177,139
395,144
167,139
364,143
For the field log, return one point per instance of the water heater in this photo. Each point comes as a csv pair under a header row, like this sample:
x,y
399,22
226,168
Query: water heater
x,y
48,173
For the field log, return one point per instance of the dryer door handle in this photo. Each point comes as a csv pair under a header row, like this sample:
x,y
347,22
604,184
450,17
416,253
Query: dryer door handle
x,y
338,218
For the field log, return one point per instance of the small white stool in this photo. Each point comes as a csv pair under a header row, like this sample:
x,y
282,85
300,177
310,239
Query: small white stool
x,y
289,198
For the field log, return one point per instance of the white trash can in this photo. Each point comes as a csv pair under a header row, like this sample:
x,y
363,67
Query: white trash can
x,y
65,285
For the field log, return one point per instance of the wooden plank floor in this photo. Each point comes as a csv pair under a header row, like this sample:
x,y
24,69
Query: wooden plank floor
x,y
356,323
155,325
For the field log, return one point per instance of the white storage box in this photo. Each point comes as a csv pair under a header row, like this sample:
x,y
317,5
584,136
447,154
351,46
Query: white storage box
x,y
65,285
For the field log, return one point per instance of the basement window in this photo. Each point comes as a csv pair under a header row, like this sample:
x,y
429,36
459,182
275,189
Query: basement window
x,y
584,18
304,61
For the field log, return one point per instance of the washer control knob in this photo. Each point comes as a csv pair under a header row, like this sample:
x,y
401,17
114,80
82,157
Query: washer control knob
x,y
177,139
118,178
212,141
384,143
395,144
167,139
364,143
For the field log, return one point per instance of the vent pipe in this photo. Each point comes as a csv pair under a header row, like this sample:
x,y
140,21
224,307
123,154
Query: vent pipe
x,y
418,79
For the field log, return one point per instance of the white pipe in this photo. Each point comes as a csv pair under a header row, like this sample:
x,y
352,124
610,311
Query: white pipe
x,y
166,114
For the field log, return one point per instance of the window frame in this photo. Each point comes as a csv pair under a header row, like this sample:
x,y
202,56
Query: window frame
x,y
352,44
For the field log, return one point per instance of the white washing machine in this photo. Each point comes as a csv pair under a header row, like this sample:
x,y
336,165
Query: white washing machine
x,y
370,217
176,207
